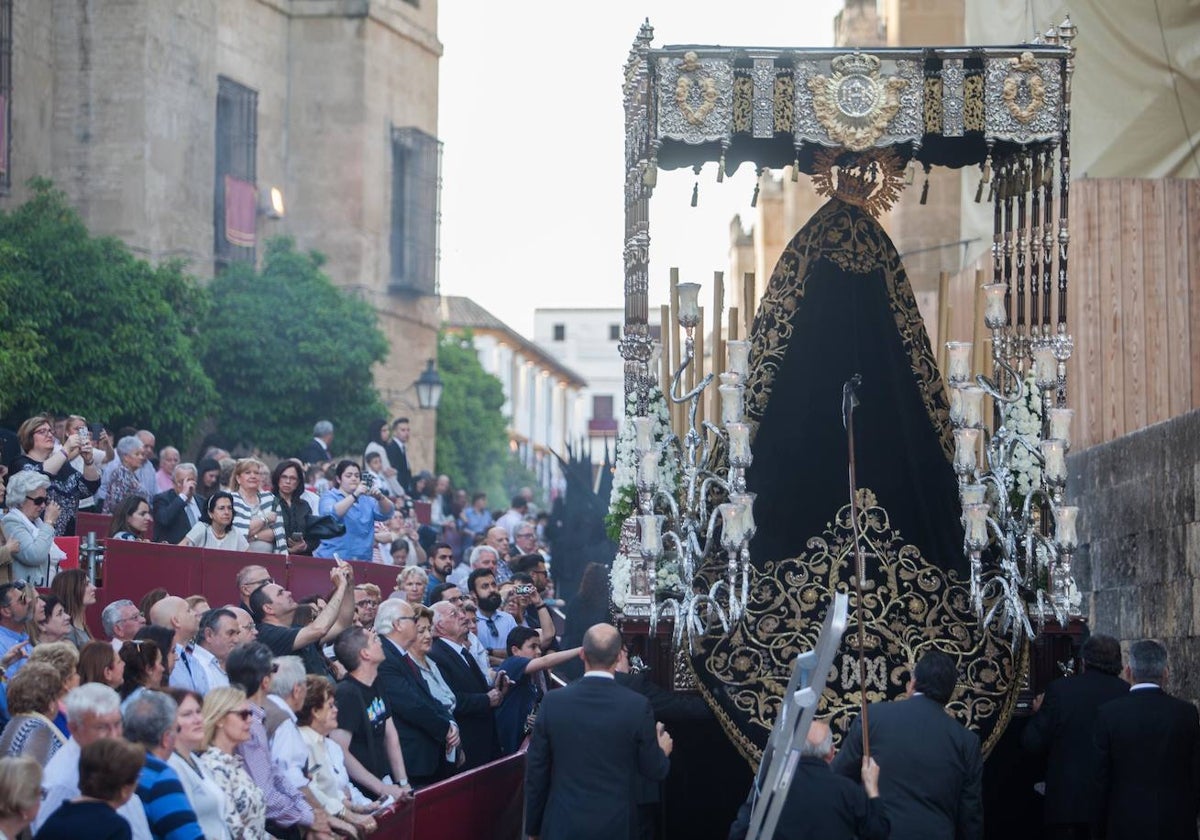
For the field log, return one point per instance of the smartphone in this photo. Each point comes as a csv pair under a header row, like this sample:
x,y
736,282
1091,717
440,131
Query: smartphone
x,y
297,536
96,429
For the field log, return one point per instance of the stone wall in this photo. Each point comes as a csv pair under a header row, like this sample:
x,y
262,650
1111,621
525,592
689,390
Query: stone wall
x,y
1139,557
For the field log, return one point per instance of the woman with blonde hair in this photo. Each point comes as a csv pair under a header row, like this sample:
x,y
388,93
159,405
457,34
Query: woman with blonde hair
x,y
67,484
76,592
227,717
255,511
412,581
20,794
33,696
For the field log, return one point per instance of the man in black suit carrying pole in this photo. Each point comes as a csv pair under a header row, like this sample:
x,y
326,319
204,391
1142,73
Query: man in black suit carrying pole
x,y
591,742
1147,771
1063,729
933,784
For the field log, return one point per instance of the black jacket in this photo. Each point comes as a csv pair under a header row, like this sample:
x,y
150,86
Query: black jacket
x,y
930,769
1064,732
421,721
591,743
398,458
472,711
1147,767
171,522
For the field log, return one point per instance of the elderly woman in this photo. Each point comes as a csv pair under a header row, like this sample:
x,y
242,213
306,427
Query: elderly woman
x,y
33,696
227,717
330,782
55,626
31,522
412,581
124,481
202,791
254,510
20,795
76,592
131,520
358,508
67,484
168,460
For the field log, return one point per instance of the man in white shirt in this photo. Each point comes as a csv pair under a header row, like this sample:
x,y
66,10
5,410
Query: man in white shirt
x,y
173,613
121,621
93,712
285,697
218,634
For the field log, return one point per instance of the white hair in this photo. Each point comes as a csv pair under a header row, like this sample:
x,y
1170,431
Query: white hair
x,y
112,614
91,699
128,445
289,673
443,611
22,484
184,468
478,550
389,611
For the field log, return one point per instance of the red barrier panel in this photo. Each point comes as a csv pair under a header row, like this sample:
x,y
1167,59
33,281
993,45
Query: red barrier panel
x,y
97,522
487,802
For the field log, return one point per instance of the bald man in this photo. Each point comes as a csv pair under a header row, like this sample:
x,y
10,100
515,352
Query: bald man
x,y
174,614
589,740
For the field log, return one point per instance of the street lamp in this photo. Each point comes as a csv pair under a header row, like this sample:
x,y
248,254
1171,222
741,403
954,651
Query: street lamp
x,y
429,387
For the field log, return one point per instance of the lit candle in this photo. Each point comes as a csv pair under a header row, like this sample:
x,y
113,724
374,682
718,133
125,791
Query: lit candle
x,y
643,431
739,444
973,494
1060,425
966,442
739,357
955,406
1045,366
689,304
648,472
975,517
651,525
959,361
731,404
733,526
1055,466
993,305
1064,527
972,406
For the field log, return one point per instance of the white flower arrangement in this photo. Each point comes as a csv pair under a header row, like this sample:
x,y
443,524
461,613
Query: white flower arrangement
x,y
1024,419
623,500
667,579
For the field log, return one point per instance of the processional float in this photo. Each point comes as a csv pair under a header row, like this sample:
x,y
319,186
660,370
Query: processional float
x,y
958,508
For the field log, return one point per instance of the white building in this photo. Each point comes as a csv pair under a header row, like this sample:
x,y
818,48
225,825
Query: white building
x,y
543,396
587,340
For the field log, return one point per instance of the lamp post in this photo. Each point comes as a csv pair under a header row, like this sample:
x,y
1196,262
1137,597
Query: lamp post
x,y
428,387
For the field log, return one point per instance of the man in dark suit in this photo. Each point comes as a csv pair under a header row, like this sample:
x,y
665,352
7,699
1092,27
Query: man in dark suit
x,y
1062,730
317,450
591,742
426,728
933,772
397,452
1148,756
176,510
474,699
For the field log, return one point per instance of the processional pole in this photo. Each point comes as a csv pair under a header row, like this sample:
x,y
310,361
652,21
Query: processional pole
x,y
849,401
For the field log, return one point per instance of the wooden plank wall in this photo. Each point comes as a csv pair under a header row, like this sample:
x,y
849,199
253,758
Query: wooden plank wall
x,y
1133,305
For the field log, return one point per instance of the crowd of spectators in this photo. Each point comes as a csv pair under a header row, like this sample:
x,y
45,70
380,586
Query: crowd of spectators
x,y
269,716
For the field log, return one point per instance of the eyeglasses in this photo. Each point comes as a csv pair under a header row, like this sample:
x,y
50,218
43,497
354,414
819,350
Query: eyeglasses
x,y
244,714
45,430
366,602
37,500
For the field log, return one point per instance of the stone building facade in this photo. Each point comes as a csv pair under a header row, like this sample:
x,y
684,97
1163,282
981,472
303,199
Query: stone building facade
x,y
139,108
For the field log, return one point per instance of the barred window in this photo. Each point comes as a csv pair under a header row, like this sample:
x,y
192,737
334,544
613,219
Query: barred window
x,y
416,210
6,47
234,185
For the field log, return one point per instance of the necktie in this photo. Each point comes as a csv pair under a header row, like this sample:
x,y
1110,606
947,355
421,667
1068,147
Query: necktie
x,y
192,515
473,665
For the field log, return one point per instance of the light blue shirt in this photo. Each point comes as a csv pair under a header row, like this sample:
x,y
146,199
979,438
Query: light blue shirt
x,y
497,638
358,543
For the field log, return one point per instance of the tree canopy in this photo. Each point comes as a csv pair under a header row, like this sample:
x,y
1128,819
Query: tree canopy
x,y
472,444
286,348
89,328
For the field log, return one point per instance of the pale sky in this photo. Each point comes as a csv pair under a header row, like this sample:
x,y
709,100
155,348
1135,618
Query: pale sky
x,y
531,116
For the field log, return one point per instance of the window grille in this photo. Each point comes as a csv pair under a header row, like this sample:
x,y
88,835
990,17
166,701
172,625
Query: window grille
x,y
416,211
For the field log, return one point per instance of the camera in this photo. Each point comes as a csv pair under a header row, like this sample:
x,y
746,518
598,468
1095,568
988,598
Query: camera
x,y
524,589
368,481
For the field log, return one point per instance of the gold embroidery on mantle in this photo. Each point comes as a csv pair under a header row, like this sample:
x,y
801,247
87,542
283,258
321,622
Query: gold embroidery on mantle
x,y
911,605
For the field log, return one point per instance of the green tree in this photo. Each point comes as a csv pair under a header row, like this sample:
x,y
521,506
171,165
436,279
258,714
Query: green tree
x,y
90,328
287,348
472,444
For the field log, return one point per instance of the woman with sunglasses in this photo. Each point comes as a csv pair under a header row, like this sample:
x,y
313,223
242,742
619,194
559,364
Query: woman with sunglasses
x,y
31,522
226,725
218,532
67,484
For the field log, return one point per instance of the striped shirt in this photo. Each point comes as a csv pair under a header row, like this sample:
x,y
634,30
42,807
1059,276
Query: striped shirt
x,y
243,513
167,807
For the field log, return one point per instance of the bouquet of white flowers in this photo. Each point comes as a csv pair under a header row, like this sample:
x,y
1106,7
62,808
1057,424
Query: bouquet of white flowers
x,y
1024,419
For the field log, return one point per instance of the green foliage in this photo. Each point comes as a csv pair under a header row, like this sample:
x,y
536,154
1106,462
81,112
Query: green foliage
x,y
620,508
89,328
472,444
287,348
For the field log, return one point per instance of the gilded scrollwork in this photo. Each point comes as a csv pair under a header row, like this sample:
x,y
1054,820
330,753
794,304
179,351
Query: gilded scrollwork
x,y
785,100
857,106
695,102
743,103
1023,98
910,607
974,117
